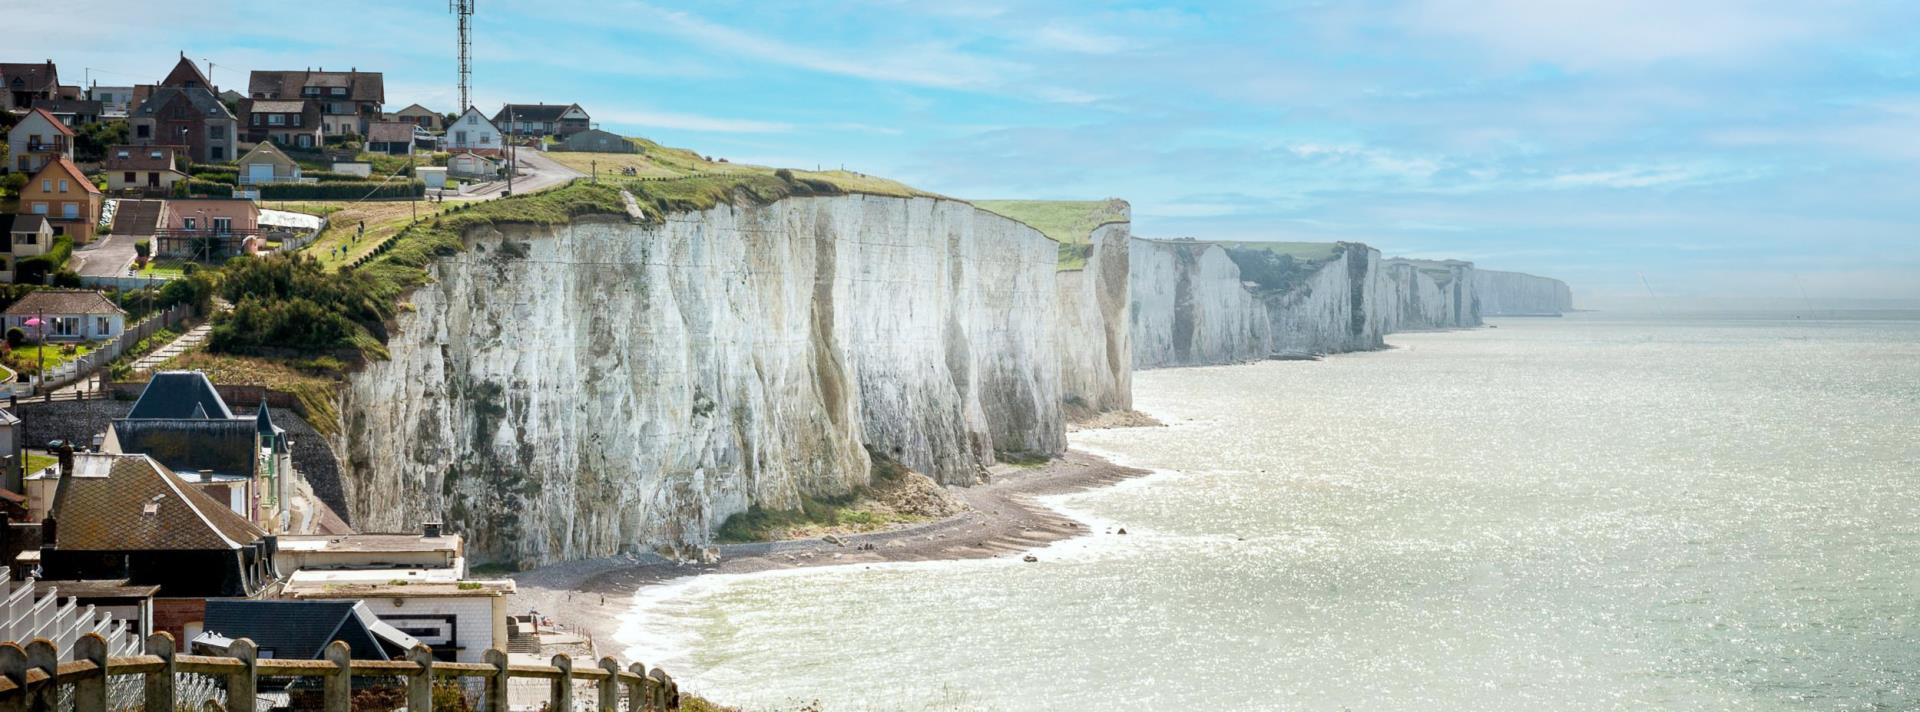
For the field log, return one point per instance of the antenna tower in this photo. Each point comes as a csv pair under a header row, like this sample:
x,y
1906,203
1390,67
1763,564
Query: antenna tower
x,y
464,9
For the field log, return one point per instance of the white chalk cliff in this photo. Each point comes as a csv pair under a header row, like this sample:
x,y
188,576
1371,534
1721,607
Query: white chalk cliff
x,y
1517,294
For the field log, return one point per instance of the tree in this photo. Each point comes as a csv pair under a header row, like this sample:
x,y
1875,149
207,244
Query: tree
x,y
91,141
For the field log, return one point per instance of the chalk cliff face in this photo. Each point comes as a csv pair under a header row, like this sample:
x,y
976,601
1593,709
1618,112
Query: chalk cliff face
x,y
1095,341
603,386
1189,307
1516,294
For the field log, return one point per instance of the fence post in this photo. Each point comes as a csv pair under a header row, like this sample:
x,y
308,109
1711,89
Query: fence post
x,y
41,654
159,697
242,687
497,685
562,699
13,664
337,691
637,689
90,692
660,682
610,686
420,685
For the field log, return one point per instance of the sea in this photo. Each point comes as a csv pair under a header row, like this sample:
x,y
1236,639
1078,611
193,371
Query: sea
x,y
1635,511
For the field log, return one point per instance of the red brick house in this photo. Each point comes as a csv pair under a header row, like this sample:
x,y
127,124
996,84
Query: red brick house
x,y
294,123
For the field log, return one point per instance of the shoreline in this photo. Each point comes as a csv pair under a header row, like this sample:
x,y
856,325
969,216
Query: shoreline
x,y
1004,518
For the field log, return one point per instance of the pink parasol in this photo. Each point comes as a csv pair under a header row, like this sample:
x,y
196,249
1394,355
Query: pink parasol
x,y
33,321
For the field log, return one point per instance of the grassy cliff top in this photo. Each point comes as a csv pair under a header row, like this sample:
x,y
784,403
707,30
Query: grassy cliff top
x,y
1068,222
1305,251
657,163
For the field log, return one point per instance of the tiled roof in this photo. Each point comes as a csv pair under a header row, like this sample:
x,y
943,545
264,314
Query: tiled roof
x,y
132,503
200,98
390,132
69,106
28,223
278,106
286,84
175,394
416,110
63,301
185,74
58,125
266,151
141,158
66,165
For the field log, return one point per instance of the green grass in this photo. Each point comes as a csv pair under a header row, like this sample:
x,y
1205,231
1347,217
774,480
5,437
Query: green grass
x,y
26,359
163,269
319,208
657,161
1069,222
37,462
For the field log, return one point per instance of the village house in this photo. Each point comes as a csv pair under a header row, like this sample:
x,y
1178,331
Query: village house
x,y
394,138
421,116
22,236
184,111
182,422
127,517
299,630
114,101
65,197
66,315
534,120
288,122
267,164
72,112
21,84
597,141
38,138
349,101
458,619
473,132
472,166
144,168
207,229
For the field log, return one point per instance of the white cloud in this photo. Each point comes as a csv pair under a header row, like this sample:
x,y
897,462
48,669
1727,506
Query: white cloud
x,y
1591,34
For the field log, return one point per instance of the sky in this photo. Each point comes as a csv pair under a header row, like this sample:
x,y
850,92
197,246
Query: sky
x,y
1696,148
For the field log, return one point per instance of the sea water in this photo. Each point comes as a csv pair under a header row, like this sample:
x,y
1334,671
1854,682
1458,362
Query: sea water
x,y
1590,513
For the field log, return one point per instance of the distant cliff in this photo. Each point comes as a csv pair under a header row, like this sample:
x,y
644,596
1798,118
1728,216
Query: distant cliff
x,y
1516,294
1192,304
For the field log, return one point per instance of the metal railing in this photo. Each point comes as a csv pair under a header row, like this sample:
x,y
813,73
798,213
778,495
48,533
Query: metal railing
x,y
33,679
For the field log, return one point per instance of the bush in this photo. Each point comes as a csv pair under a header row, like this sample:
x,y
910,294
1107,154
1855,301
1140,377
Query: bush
x,y
143,249
34,270
16,337
216,176
343,190
195,186
66,279
13,183
192,288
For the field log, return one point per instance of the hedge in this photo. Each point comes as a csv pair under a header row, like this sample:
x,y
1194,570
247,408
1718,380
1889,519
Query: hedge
x,y
33,270
195,186
343,190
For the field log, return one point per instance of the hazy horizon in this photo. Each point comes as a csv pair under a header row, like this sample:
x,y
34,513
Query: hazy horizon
x,y
1718,148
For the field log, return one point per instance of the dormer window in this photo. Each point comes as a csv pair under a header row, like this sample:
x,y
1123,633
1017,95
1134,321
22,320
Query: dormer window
x,y
123,154
310,91
155,154
339,91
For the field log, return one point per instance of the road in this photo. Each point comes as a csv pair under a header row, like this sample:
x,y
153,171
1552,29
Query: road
x,y
107,256
537,172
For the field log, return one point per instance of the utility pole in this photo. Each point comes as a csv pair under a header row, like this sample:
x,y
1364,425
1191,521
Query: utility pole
x,y
513,151
464,9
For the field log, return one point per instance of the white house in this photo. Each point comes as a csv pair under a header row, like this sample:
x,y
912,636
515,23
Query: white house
x,y
473,132
39,137
472,166
67,315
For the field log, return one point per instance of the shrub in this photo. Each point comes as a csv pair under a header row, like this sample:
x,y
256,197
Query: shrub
x,y
34,270
195,186
13,183
784,175
16,337
66,278
343,190
143,249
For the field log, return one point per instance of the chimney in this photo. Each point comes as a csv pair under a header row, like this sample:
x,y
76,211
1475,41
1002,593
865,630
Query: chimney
x,y
206,475
63,451
430,530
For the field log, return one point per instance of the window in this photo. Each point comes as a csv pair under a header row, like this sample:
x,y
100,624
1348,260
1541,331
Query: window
x,y
39,208
460,138
46,185
123,154
223,225
473,119
276,120
216,132
155,155
296,119
256,119
27,238
102,326
143,131
217,153
187,224
63,185
339,91
70,210
486,139
310,91
128,178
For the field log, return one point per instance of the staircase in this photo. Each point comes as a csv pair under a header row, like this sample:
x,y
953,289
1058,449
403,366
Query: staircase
x,y
137,217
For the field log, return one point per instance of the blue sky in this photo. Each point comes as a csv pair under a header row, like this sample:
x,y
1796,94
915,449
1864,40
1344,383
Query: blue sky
x,y
1718,148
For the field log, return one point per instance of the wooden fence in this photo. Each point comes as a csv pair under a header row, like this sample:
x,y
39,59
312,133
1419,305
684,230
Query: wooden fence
x,y
33,680
106,352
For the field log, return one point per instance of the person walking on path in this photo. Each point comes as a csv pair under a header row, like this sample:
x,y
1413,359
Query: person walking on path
x,y
362,233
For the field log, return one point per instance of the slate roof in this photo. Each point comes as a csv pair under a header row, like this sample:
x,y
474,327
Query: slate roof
x,y
286,84
192,444
390,132
28,223
278,106
175,394
266,151
185,74
132,503
82,107
34,76
202,100
416,110
301,630
533,112
63,301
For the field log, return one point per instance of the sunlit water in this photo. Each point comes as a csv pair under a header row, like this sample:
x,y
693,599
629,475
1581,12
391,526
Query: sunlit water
x,y
1559,514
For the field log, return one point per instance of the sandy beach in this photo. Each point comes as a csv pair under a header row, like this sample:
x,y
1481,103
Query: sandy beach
x,y
1004,520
